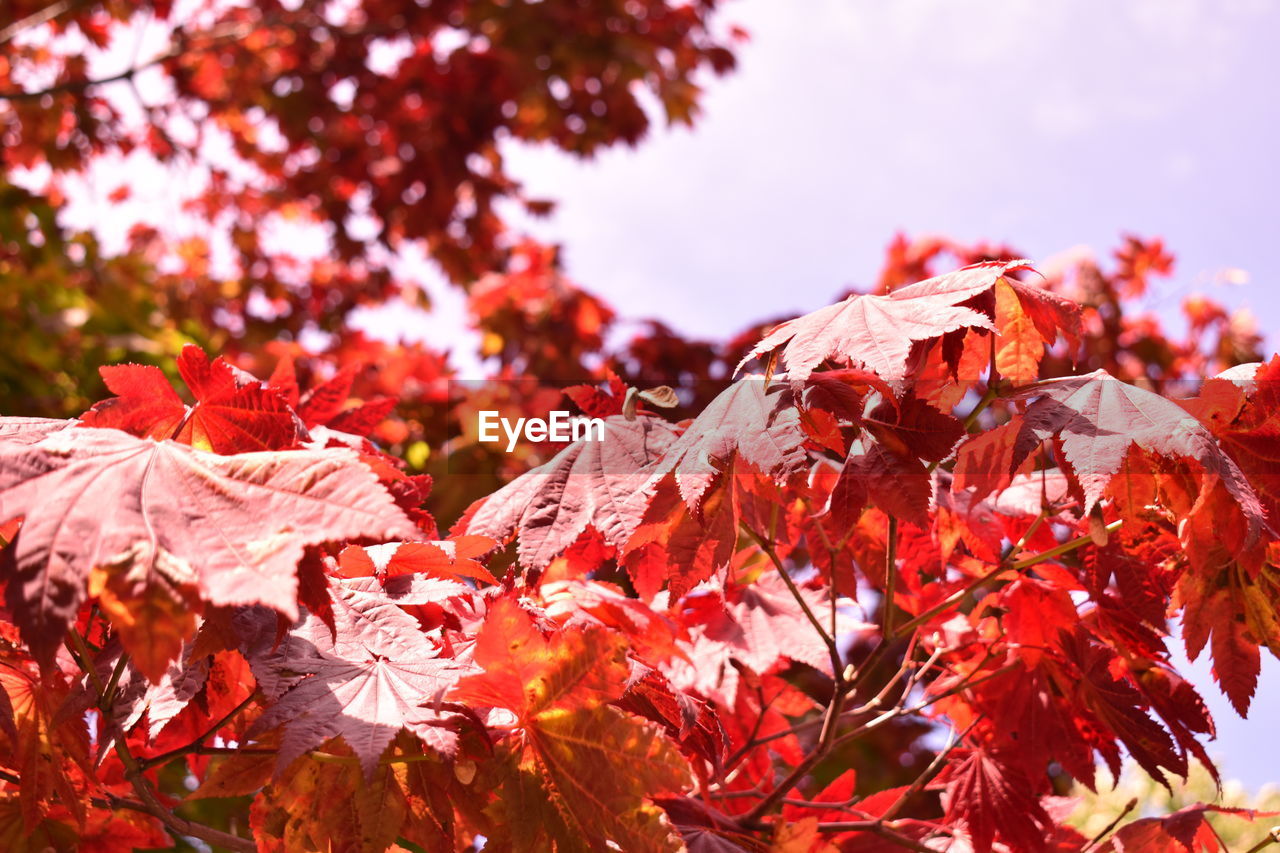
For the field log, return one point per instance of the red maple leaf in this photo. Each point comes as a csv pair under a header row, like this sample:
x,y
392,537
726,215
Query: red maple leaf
x,y
1185,831
749,420
376,674
233,412
878,332
993,799
160,516
597,484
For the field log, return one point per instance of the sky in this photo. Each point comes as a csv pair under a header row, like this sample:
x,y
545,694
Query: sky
x,y
1047,124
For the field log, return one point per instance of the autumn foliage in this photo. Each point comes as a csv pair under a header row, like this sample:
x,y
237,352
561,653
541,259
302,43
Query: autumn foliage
x,y
890,575
710,631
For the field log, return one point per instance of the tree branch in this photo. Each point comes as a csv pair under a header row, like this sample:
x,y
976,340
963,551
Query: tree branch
x,y
178,48
827,640
1016,566
196,745
35,19
133,772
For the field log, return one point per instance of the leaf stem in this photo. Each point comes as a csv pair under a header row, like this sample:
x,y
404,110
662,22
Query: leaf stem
x,y
986,400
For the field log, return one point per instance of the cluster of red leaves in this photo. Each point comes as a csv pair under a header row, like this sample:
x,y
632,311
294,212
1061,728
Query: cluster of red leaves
x,y
715,634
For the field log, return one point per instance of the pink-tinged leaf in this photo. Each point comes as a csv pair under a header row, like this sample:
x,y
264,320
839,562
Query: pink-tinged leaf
x,y
774,627
1097,418
30,430
1049,312
599,484
901,487
911,427
379,674
962,285
748,420
876,332
232,527
163,700
759,626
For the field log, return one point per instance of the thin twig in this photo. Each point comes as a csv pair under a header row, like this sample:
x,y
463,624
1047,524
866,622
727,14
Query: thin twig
x,y
923,779
890,573
876,827
1273,837
196,745
150,800
35,19
1106,830
180,47
829,641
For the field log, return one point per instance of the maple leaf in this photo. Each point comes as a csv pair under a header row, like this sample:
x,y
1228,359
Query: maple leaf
x,y
749,420
316,805
1021,344
233,412
375,674
30,430
1119,706
1233,611
1184,831
231,527
527,672
599,484
687,720
993,799
878,331
680,546
1243,411
900,485
758,625
326,404
864,330
912,427
1048,312
1097,419
559,785
445,558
